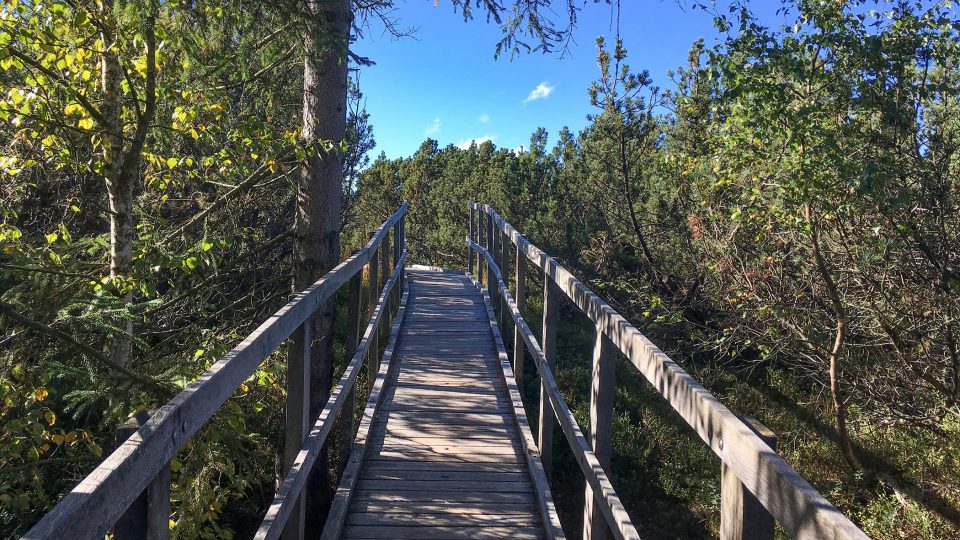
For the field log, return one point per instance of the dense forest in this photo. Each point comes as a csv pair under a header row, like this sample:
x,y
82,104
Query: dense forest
x,y
781,217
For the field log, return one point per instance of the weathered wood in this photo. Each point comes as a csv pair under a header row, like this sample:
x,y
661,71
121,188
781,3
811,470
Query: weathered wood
x,y
429,533
601,429
341,501
491,284
95,504
742,517
348,415
541,482
613,510
434,437
283,503
373,295
520,278
551,307
470,229
149,515
481,241
797,506
297,417
385,253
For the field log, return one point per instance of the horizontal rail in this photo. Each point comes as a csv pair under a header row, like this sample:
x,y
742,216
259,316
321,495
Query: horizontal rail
x,y
94,505
272,525
613,511
801,510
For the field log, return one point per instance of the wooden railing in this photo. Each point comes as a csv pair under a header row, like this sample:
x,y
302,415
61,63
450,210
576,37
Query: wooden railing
x,y
139,466
757,484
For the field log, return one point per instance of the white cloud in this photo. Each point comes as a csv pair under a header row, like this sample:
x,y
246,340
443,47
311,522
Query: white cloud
x,y
542,91
433,128
484,118
463,145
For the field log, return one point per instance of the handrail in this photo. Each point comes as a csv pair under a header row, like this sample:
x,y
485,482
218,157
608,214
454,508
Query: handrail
x,y
93,506
801,510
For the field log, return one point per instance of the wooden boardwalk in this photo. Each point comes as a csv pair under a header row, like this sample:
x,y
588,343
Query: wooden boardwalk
x,y
445,456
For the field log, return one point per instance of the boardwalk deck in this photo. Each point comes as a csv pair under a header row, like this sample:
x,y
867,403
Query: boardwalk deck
x,y
445,457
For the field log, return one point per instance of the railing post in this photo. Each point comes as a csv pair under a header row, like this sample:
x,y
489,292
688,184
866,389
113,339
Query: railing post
x,y
373,294
470,236
297,415
504,262
491,278
347,416
384,328
481,231
742,517
601,428
149,515
521,299
397,252
551,308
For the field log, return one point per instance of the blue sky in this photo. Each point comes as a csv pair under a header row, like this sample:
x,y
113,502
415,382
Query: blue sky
x,y
444,83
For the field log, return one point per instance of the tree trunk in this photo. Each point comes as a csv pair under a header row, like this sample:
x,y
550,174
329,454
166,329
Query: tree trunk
x,y
316,237
119,186
835,369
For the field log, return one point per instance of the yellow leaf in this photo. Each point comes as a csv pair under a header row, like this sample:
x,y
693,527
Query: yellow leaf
x,y
40,394
58,439
85,123
50,418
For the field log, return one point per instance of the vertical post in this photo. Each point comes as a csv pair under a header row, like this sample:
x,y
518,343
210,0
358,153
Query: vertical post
x,y
297,415
373,293
481,232
397,252
149,515
601,429
403,247
742,517
384,328
504,261
470,236
551,308
518,355
347,415
491,279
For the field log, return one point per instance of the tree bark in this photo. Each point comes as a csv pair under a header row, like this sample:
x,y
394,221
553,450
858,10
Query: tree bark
x,y
119,187
316,236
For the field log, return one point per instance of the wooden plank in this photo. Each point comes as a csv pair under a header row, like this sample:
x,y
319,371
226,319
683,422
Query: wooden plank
x,y
414,454
442,466
429,533
446,507
91,508
459,476
445,497
373,288
798,507
445,520
434,486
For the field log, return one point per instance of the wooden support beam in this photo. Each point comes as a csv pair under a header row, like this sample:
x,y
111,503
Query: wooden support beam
x,y
347,416
297,417
470,229
602,392
551,308
373,293
742,517
148,517
520,278
489,246
384,330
